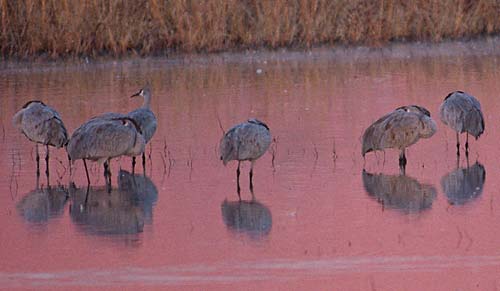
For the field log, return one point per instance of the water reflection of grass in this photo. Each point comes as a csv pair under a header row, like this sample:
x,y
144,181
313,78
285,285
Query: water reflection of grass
x,y
140,27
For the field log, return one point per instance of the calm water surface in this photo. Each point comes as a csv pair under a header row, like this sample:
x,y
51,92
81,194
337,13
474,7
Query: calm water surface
x,y
323,218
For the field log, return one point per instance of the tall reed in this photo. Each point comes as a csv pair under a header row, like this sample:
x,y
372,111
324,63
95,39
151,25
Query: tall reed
x,y
58,28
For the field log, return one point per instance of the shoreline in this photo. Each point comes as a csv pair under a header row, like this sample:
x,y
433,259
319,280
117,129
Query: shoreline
x,y
483,46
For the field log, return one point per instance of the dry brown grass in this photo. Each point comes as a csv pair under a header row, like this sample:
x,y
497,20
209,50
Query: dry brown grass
x,y
58,28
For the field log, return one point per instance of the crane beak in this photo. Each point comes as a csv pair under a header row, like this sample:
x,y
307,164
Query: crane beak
x,y
136,94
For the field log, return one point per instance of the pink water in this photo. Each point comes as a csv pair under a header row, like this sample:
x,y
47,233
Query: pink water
x,y
316,225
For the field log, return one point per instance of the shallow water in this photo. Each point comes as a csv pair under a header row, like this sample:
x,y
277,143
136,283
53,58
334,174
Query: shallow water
x,y
324,217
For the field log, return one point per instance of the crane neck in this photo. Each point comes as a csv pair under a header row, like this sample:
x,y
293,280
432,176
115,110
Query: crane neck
x,y
147,102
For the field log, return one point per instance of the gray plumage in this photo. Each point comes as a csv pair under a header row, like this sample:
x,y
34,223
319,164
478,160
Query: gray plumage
x,y
99,140
399,129
104,139
41,124
399,191
144,116
462,113
109,116
246,141
464,184
250,217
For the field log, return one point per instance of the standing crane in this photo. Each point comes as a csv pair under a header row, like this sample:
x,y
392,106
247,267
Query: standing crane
x,y
246,141
462,113
145,118
41,124
103,139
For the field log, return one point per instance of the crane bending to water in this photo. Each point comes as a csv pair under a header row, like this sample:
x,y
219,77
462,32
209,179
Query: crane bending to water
x,y
399,130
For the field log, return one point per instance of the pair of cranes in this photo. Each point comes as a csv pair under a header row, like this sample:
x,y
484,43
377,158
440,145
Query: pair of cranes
x,y
113,134
406,125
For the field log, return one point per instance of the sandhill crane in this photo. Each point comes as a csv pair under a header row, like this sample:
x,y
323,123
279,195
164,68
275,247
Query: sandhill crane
x,y
462,112
145,118
41,124
399,130
103,139
246,141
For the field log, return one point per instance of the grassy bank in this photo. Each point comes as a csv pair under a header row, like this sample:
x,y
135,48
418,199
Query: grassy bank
x,y
56,28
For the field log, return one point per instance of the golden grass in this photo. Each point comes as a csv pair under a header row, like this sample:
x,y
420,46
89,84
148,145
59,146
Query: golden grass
x,y
92,27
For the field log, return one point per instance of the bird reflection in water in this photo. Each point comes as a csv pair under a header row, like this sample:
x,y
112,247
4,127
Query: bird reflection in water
x,y
399,191
249,217
142,188
464,184
40,204
123,210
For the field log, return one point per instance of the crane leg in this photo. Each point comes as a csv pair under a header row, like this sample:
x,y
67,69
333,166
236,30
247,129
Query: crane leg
x,y
47,162
87,193
107,172
109,175
402,170
86,171
402,158
106,169
37,161
69,166
238,180
133,165
458,145
108,185
251,176
467,144
144,163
